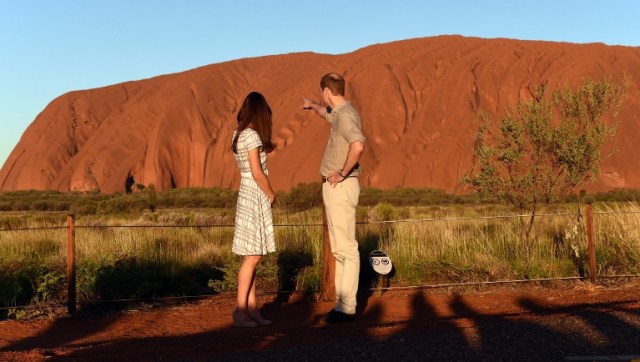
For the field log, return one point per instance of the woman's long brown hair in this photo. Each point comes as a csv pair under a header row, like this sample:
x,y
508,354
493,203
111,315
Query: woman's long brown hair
x,y
255,112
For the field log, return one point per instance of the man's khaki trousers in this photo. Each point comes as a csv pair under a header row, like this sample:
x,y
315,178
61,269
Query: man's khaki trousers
x,y
340,202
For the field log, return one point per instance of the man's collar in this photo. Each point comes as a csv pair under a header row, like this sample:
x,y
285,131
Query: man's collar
x,y
342,104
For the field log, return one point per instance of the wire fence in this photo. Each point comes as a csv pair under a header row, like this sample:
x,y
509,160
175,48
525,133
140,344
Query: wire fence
x,y
72,227
381,222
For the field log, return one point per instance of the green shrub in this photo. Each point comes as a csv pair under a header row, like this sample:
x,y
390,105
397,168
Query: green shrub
x,y
22,284
224,278
302,197
49,286
61,206
10,289
40,205
84,207
21,206
122,205
383,212
5,206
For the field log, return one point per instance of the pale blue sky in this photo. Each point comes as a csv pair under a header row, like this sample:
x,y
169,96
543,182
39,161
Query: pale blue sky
x,y
48,48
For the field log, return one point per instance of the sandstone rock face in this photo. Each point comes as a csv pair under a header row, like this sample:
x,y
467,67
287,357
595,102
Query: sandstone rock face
x,y
417,98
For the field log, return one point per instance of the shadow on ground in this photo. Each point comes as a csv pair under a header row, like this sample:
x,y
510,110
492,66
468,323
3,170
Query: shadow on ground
x,y
535,332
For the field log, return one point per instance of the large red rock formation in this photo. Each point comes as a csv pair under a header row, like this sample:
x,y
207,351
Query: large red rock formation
x,y
417,99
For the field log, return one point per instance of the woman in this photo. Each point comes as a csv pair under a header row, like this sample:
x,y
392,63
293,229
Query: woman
x,y
253,235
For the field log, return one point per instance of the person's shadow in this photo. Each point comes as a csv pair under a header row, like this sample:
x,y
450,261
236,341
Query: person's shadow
x,y
428,332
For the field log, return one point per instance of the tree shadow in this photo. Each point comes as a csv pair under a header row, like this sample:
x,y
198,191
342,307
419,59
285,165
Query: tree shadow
x,y
63,332
608,332
427,335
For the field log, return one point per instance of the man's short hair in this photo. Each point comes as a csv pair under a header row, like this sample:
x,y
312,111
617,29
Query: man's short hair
x,y
334,82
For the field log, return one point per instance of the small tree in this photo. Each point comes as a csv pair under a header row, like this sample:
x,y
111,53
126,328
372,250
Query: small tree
x,y
545,148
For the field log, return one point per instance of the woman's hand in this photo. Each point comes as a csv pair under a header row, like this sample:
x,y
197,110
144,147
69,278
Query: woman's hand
x,y
259,175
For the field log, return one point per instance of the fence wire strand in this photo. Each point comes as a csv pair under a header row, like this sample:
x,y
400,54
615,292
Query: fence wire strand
x,y
431,219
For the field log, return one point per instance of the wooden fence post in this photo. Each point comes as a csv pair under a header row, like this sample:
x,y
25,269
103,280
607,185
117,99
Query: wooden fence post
x,y
591,243
71,264
328,263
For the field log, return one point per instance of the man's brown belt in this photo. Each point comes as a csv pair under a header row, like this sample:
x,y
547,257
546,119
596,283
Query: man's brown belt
x,y
325,178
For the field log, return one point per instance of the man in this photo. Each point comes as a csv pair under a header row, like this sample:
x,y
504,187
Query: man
x,y
340,189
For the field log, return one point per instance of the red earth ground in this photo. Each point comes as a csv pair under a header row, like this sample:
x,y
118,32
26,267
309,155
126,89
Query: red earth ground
x,y
465,321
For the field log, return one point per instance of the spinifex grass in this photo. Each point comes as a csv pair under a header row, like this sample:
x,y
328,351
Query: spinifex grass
x,y
457,249
175,253
617,230
31,264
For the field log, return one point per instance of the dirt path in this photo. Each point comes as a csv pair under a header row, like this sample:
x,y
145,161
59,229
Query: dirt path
x,y
499,324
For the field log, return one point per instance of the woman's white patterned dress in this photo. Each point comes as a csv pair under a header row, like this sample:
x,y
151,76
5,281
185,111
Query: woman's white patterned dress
x,y
253,233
